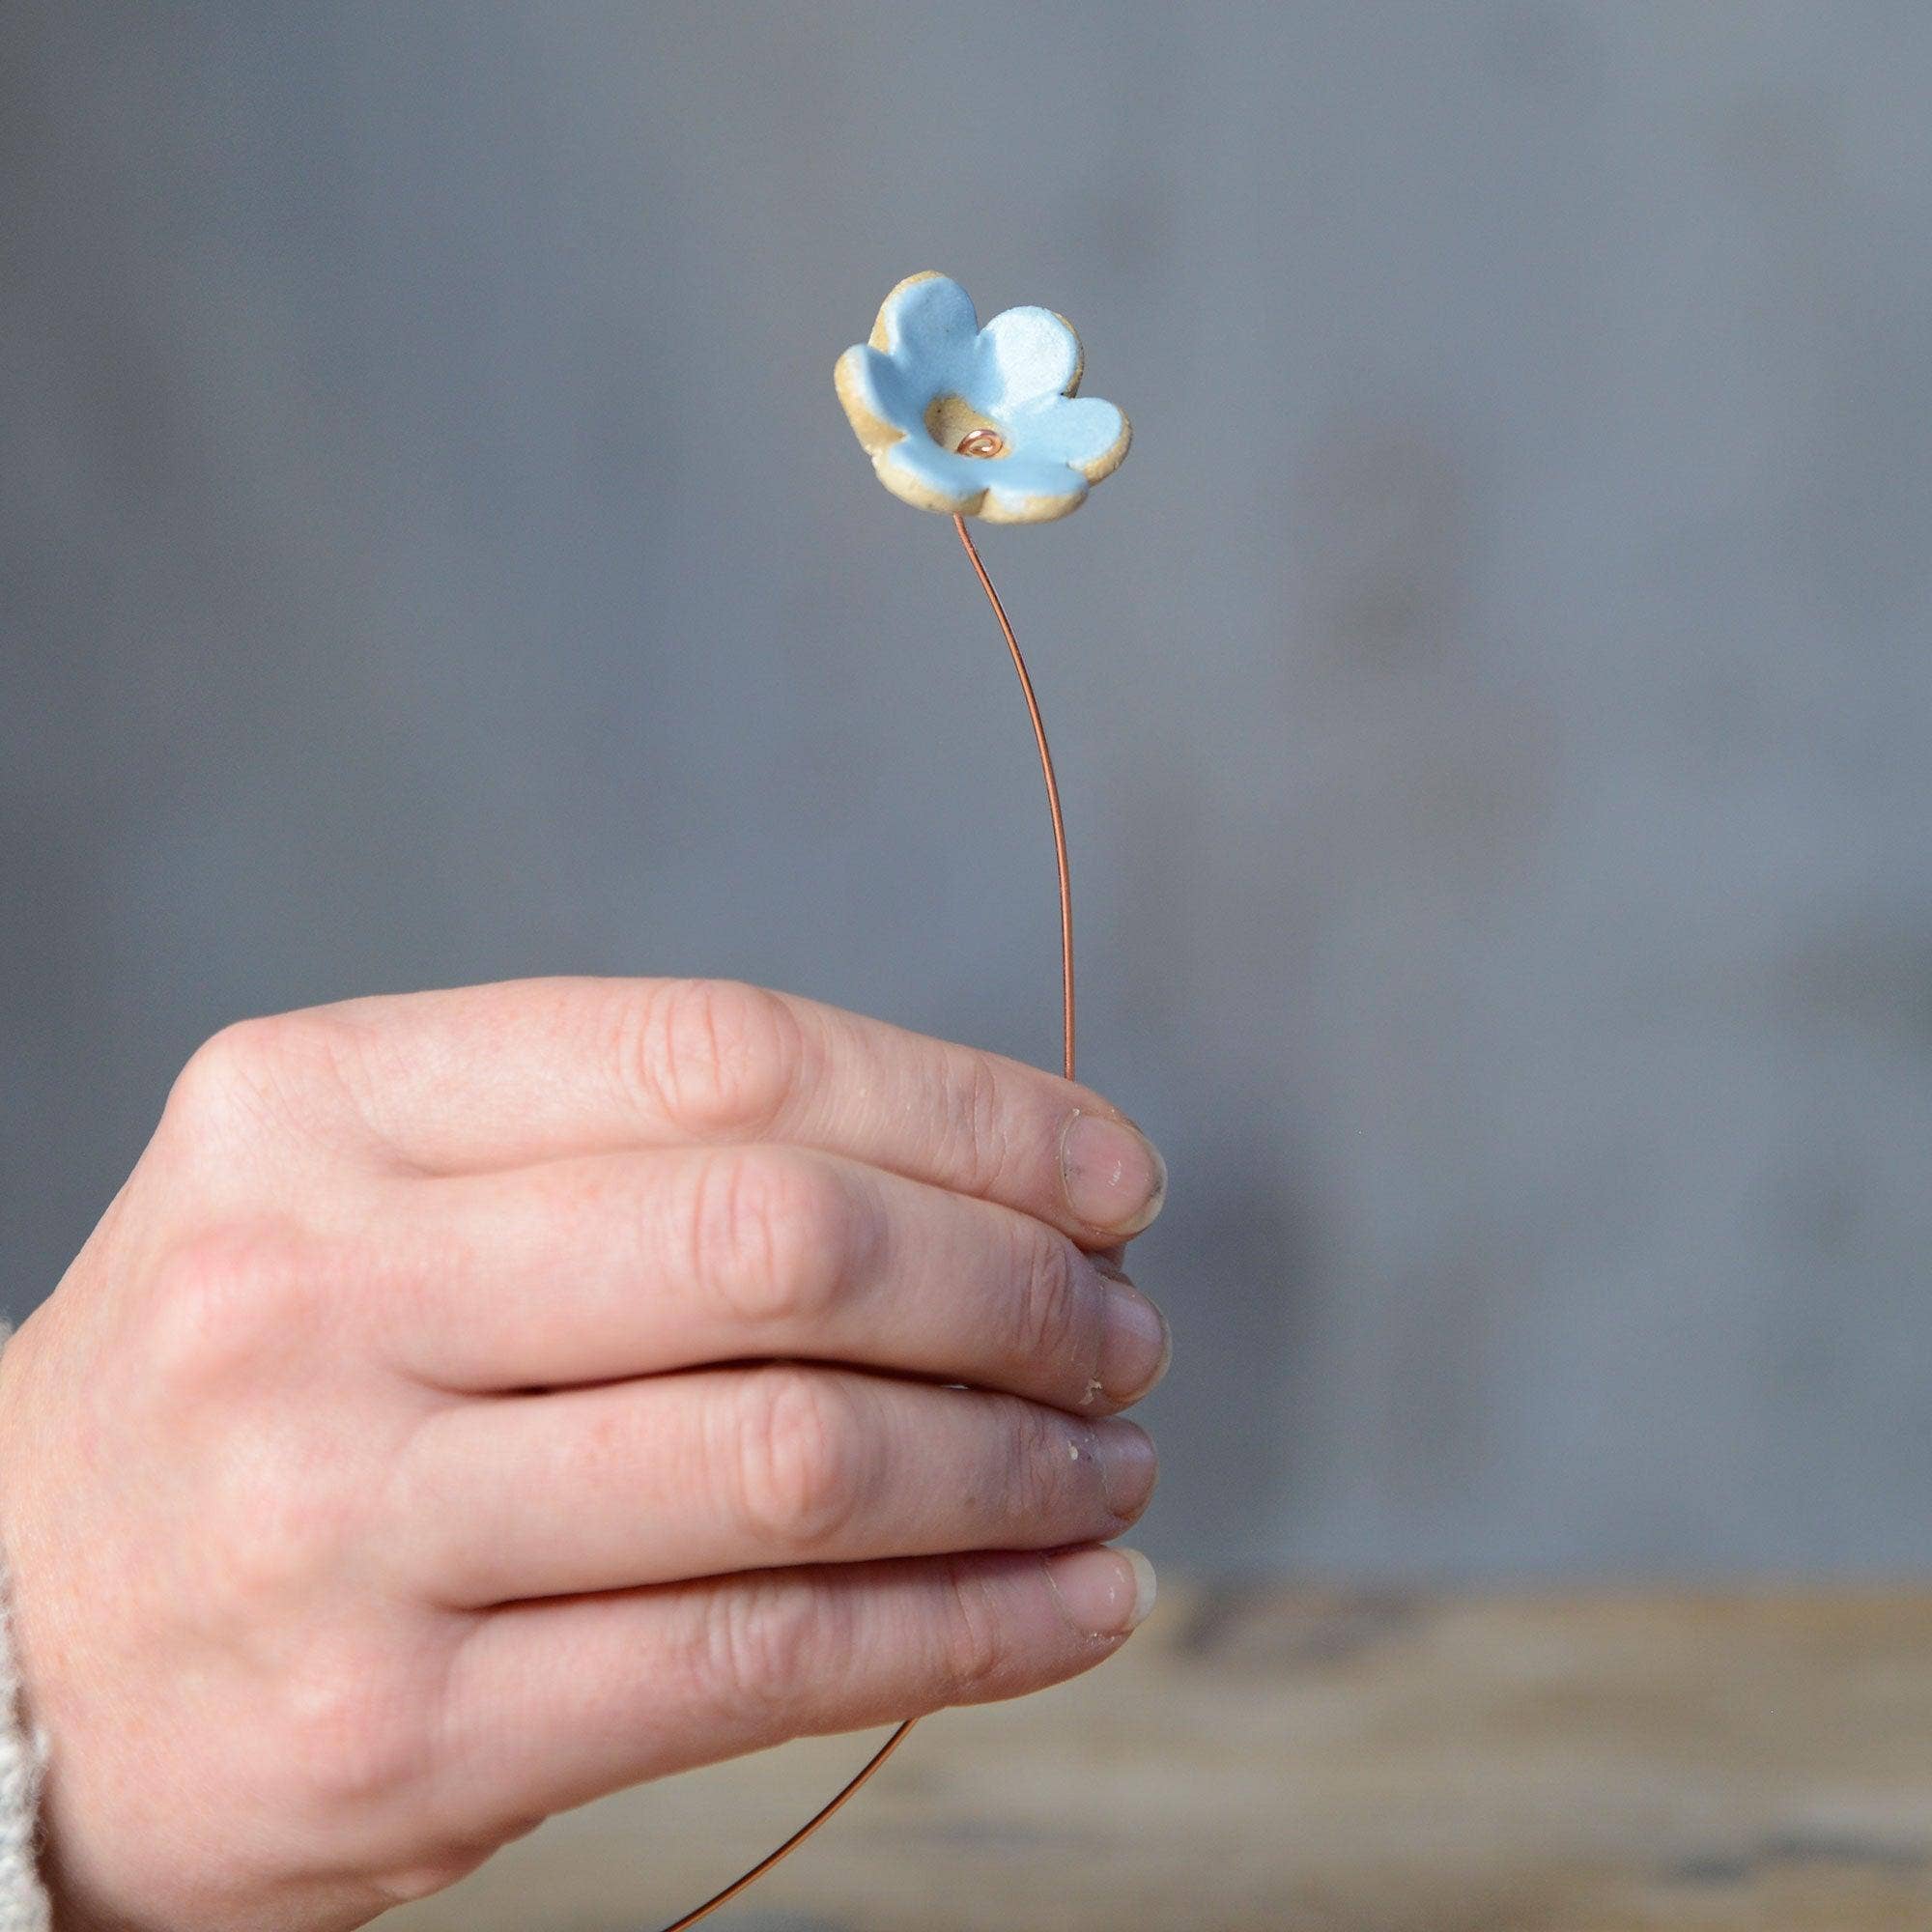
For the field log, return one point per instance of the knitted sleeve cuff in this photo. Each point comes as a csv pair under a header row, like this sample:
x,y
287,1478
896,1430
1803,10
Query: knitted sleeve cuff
x,y
23,1904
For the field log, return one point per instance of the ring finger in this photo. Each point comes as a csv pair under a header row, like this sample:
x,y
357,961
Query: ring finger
x,y
725,1470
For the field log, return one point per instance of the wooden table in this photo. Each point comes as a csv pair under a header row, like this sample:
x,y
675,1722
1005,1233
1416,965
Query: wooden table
x,y
1320,1762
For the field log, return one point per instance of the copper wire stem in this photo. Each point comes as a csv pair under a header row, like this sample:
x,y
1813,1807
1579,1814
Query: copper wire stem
x,y
852,1788
1052,802
798,1838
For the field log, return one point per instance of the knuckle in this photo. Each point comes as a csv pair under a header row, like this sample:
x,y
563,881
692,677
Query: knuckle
x,y
973,1653
235,1055
802,1462
226,1327
423,1878
251,1572
979,1128
253,1071
1039,1469
1053,1325
227,1300
765,1648
717,1056
771,1231
358,1732
268,1543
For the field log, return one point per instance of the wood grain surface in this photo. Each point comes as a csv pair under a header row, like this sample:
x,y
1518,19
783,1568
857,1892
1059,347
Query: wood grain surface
x,y
1263,1757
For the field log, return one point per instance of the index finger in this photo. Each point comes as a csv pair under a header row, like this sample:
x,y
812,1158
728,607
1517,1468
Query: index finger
x,y
504,1075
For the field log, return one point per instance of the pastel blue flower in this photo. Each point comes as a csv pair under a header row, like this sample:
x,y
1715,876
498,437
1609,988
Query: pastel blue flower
x,y
977,422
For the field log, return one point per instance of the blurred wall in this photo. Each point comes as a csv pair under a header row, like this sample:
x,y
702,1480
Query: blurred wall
x,y
1494,701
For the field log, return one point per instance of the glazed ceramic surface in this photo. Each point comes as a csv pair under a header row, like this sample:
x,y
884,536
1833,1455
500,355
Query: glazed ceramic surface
x,y
977,422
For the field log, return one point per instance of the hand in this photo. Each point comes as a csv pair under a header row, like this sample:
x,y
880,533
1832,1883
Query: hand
x,y
477,1402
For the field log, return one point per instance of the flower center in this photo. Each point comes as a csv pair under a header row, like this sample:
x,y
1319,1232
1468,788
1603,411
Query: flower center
x,y
955,424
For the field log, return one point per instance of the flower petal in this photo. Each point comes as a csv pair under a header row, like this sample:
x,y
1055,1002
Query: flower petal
x,y
1022,356
873,390
1083,432
919,472
1025,489
928,317
1005,490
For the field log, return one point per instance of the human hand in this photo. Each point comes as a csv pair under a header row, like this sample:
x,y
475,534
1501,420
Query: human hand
x,y
477,1402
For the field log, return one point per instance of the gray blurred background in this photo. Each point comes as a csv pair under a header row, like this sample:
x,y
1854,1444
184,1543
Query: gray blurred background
x,y
1494,701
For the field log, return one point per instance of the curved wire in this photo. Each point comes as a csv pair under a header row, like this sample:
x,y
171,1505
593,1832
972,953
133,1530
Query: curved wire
x,y
1052,802
798,1838
900,1736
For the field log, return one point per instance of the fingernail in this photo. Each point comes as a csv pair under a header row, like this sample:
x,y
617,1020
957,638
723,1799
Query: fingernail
x,y
1112,1175
1103,1592
1135,1345
1128,1465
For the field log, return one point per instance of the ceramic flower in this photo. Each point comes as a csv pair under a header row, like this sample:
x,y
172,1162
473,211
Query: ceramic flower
x,y
972,421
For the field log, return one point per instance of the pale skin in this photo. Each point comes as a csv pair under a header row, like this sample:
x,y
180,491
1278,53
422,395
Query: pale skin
x,y
477,1402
